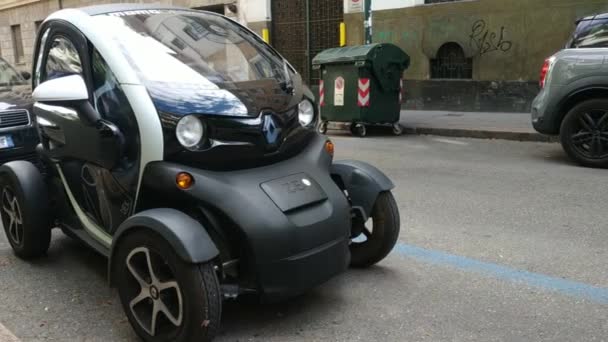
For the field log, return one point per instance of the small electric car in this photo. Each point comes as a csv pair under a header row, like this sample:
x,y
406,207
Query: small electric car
x,y
183,148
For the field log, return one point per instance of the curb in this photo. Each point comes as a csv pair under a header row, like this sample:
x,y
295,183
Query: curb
x,y
482,134
466,133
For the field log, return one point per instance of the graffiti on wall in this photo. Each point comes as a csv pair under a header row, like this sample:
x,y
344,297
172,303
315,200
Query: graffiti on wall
x,y
483,40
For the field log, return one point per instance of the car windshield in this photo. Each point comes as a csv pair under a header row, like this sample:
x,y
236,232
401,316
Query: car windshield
x,y
9,76
186,47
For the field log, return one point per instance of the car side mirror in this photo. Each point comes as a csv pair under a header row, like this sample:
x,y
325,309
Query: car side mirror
x,y
68,91
63,89
26,75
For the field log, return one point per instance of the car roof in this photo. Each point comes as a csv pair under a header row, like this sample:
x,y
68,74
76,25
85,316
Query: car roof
x,y
111,8
592,17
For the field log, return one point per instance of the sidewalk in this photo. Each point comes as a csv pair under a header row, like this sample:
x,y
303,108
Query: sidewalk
x,y
508,126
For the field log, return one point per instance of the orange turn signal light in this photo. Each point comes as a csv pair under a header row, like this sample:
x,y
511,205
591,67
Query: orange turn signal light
x,y
184,180
329,147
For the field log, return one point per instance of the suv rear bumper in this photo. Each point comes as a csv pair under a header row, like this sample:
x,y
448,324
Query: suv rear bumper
x,y
545,117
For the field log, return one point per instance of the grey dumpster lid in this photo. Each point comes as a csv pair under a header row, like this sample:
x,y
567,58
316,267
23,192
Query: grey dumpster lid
x,y
360,53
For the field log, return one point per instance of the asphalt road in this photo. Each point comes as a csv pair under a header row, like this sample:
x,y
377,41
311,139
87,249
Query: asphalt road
x,y
501,241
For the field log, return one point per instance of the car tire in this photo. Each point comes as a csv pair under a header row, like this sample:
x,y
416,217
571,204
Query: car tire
x,y
584,133
25,209
380,240
190,292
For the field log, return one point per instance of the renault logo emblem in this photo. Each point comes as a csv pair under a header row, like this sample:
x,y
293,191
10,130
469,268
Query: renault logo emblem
x,y
270,129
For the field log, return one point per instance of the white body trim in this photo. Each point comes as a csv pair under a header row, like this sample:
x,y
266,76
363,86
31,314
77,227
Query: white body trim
x,y
150,129
94,230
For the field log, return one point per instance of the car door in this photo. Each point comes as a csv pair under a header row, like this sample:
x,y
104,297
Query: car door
x,y
98,162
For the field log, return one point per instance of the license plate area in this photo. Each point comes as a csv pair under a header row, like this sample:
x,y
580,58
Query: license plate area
x,y
6,141
293,192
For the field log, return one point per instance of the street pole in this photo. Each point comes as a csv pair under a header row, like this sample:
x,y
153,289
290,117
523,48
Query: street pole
x,y
367,9
308,44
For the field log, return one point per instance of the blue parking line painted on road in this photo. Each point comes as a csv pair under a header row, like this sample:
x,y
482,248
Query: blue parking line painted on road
x,y
563,286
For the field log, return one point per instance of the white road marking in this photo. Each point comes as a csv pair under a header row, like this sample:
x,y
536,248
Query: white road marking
x,y
453,142
6,335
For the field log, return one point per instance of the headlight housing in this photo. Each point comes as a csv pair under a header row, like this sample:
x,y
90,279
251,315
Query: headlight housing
x,y
306,113
190,131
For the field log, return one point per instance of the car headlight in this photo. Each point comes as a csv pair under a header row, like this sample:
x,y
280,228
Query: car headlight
x,y
190,131
306,113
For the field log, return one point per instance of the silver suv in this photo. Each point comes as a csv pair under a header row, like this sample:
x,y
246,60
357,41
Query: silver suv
x,y
573,101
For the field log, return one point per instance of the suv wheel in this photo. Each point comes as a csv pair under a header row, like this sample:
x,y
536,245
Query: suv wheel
x,y
584,133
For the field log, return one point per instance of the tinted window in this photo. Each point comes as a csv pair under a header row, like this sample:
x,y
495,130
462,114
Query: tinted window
x,y
63,60
591,34
112,104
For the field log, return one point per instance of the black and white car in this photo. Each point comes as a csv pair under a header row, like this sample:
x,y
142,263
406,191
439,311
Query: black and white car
x,y
183,148
18,136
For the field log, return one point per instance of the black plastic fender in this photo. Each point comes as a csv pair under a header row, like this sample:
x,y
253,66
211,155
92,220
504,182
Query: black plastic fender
x,y
187,236
362,181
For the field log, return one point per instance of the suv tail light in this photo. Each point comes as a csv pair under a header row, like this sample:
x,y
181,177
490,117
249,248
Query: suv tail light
x,y
545,71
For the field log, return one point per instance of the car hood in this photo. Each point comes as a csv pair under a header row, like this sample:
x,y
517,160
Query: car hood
x,y
242,99
15,97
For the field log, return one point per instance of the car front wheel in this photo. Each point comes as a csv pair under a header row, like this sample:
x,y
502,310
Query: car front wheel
x,y
165,298
584,133
376,238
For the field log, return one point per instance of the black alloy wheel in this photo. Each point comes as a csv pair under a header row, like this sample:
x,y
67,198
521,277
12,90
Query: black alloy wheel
x,y
165,298
11,217
584,133
24,208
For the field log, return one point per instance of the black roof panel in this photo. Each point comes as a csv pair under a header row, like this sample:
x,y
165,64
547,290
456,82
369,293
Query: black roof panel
x,y
591,17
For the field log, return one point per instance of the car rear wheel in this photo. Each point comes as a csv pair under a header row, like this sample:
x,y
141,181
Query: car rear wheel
x,y
378,235
165,298
584,133
25,209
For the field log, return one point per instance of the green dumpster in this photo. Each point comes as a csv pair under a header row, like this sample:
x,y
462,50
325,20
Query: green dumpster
x,y
361,85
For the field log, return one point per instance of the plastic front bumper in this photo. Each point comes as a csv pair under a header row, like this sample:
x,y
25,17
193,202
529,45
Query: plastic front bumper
x,y
296,221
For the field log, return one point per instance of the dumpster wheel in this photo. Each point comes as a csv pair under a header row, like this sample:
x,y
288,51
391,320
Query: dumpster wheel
x,y
397,129
358,130
323,127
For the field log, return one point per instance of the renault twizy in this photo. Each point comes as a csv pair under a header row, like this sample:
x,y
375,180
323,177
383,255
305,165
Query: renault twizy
x,y
183,148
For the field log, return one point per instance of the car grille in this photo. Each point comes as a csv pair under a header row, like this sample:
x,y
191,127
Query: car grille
x,y
14,118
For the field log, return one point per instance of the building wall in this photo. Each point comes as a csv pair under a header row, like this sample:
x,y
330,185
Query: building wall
x,y
254,13
507,40
524,32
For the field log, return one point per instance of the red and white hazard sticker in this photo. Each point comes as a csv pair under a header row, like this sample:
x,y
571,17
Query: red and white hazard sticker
x,y
364,92
321,93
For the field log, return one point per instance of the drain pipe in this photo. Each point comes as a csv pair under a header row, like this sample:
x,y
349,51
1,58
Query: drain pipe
x,y
60,3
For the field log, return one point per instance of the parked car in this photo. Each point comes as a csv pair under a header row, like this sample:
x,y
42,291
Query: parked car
x,y
183,148
18,136
573,101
